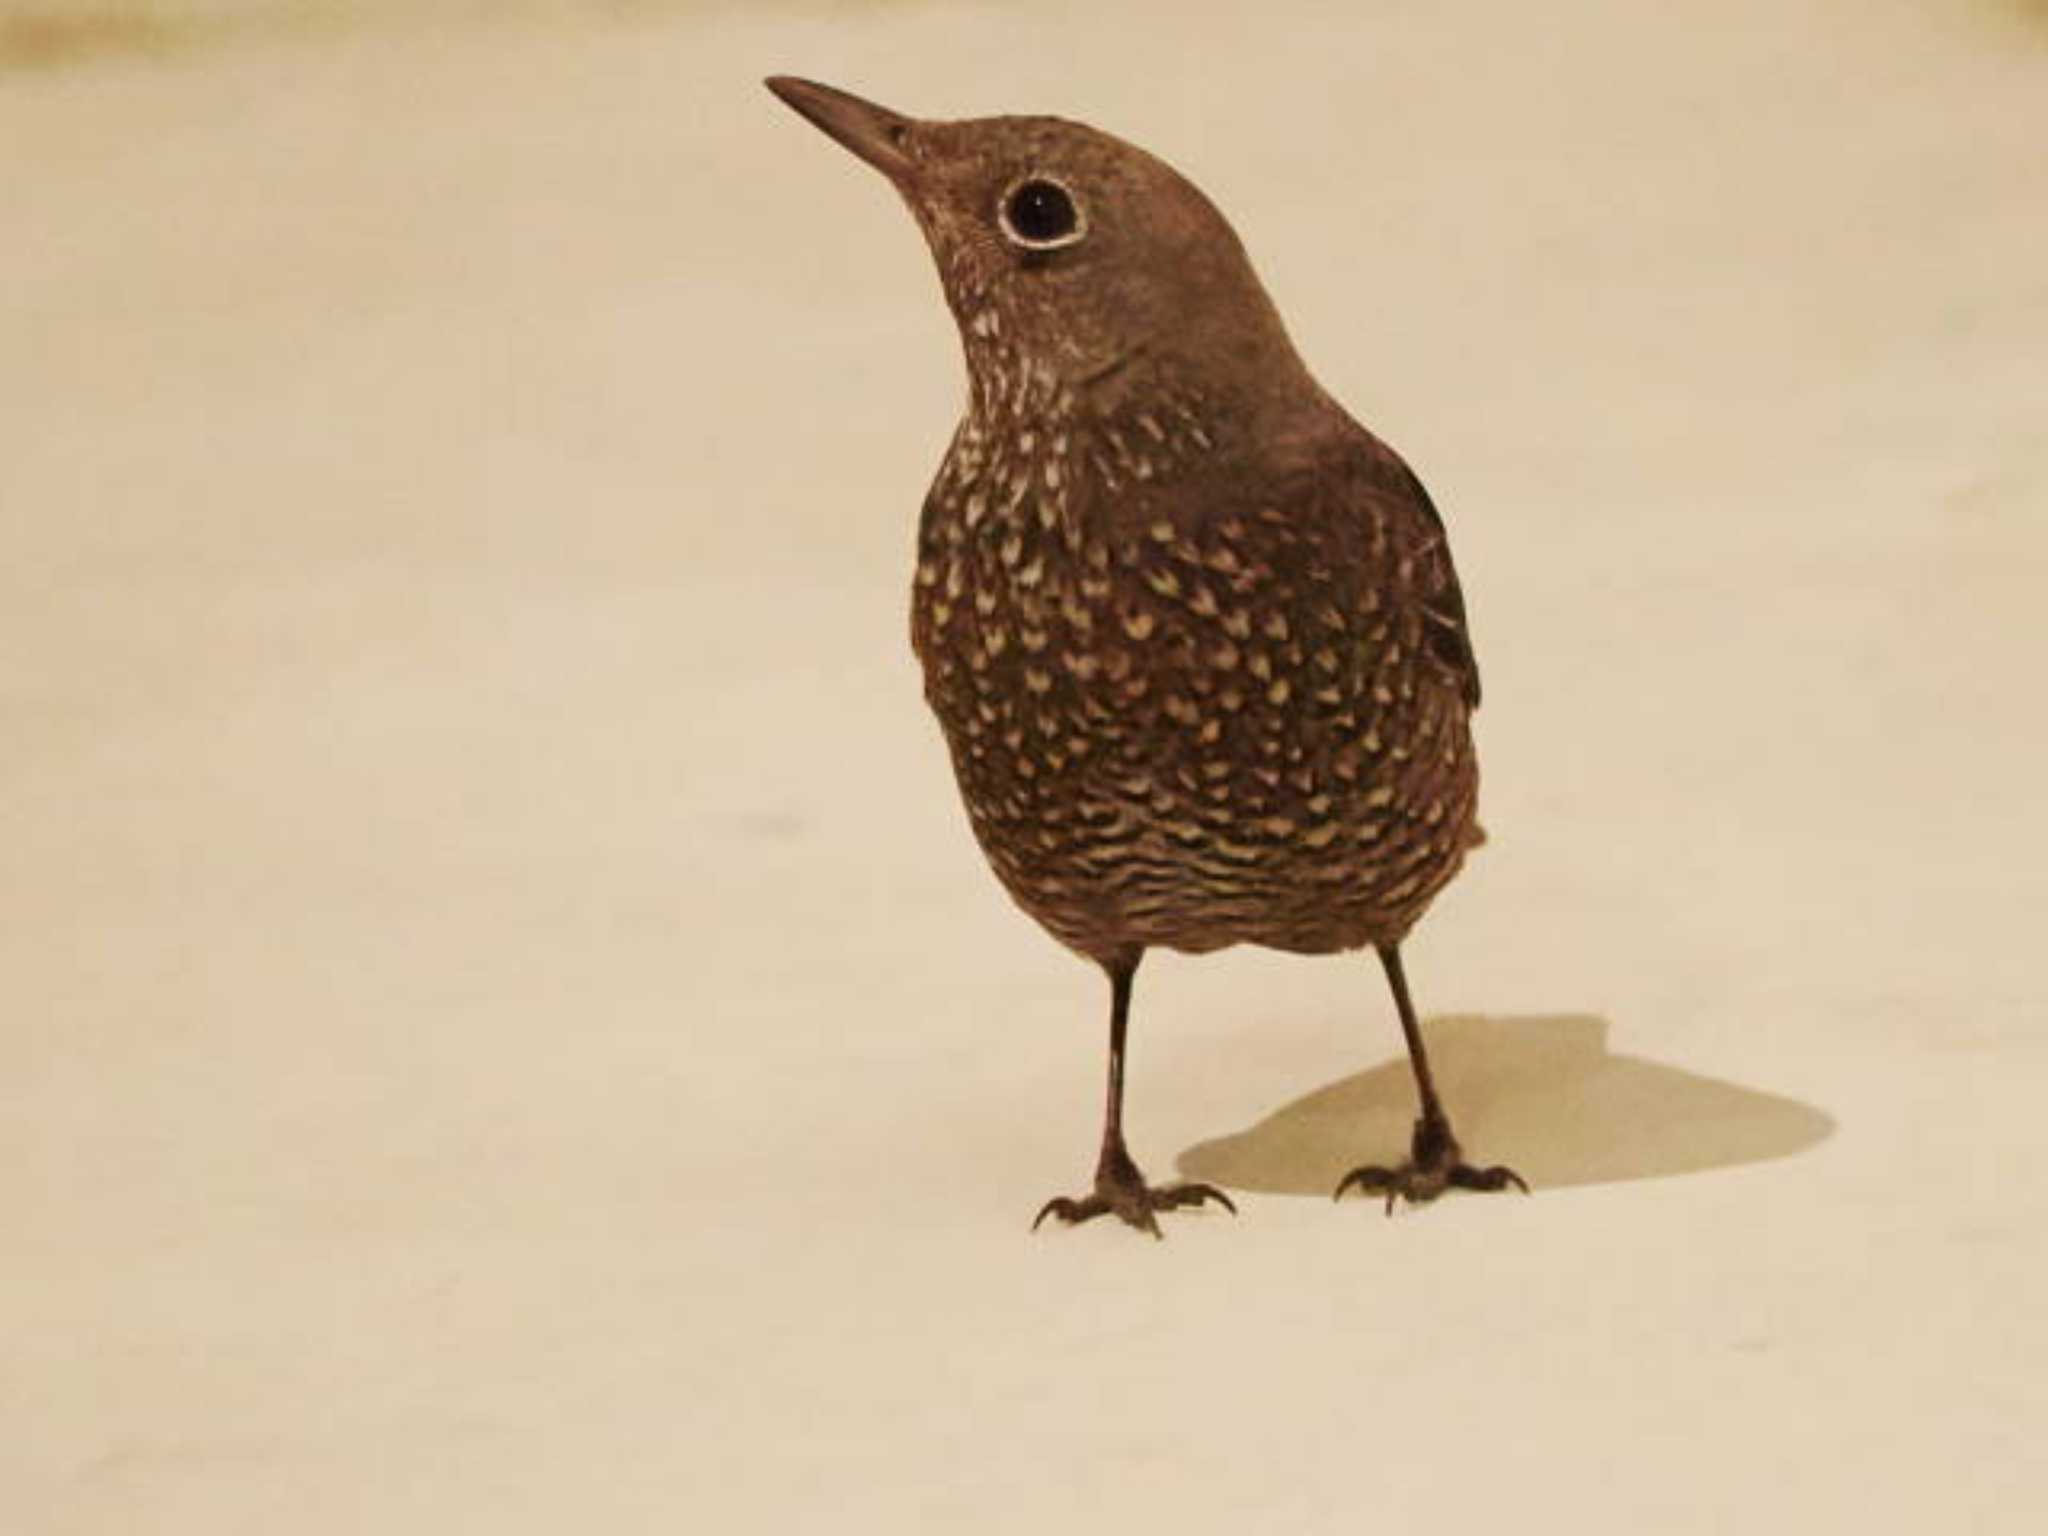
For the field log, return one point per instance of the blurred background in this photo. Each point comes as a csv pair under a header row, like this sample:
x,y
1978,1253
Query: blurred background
x,y
502,1022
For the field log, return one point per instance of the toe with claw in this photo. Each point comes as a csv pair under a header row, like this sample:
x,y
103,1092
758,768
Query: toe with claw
x,y
1120,1190
1435,1164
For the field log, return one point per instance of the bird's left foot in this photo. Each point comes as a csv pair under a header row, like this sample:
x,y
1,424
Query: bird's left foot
x,y
1435,1164
1121,1190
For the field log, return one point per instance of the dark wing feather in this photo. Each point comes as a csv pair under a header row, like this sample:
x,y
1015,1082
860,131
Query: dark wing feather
x,y
1372,517
1443,603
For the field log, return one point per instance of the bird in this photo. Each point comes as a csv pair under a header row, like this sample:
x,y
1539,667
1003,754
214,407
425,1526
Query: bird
x,y
1192,634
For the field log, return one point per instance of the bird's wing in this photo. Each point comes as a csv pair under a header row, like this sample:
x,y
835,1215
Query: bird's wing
x,y
1448,636
1407,554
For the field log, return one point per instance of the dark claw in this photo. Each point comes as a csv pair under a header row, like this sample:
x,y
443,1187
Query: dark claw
x,y
1496,1177
1072,1212
1370,1181
1192,1194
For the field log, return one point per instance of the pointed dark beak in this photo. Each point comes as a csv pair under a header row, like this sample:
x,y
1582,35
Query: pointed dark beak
x,y
876,134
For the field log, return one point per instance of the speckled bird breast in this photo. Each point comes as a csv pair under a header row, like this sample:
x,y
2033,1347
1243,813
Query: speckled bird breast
x,y
1187,705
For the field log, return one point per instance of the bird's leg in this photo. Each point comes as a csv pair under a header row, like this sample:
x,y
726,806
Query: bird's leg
x,y
1119,1186
1435,1161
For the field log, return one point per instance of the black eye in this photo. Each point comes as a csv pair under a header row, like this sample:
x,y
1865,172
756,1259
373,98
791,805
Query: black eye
x,y
1039,214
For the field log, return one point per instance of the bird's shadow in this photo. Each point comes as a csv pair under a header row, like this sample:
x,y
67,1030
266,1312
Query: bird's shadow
x,y
1542,1094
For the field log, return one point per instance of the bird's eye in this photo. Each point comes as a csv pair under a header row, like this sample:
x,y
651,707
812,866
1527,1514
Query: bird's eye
x,y
1040,215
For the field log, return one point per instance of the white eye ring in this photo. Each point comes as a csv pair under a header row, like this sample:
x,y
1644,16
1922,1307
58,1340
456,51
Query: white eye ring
x,y
1041,213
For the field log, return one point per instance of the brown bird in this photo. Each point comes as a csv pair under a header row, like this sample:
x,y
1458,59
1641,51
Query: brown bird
x,y
1192,633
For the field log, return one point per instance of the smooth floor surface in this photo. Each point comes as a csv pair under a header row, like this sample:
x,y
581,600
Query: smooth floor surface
x,y
503,1027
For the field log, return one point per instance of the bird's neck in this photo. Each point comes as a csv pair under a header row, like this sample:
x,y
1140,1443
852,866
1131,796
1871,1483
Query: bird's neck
x,y
1152,402
1114,423
1047,429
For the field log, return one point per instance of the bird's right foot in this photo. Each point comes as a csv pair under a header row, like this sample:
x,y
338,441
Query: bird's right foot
x,y
1435,1164
1121,1191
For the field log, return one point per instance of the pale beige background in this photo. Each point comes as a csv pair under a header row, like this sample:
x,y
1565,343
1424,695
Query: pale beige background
x,y
504,1029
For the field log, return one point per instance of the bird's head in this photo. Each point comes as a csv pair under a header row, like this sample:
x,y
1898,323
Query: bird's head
x,y
1067,250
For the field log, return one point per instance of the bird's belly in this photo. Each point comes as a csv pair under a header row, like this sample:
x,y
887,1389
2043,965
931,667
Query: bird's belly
x,y
1177,809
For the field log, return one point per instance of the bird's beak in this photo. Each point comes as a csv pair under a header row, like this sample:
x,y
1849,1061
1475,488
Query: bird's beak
x,y
874,133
